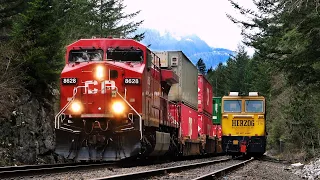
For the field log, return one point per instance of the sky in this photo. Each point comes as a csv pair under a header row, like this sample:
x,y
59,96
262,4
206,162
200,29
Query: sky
x,y
205,18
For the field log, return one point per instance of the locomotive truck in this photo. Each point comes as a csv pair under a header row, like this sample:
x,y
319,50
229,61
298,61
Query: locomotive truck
x,y
119,100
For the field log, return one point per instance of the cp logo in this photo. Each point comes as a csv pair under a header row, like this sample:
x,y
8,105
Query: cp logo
x,y
105,85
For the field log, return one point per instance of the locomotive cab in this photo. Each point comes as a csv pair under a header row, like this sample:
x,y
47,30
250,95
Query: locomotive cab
x,y
243,124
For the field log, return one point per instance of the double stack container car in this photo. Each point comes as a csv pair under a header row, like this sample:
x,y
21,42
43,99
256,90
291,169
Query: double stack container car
x,y
205,126
183,97
191,103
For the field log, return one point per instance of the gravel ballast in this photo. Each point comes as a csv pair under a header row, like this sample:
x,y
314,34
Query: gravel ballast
x,y
257,170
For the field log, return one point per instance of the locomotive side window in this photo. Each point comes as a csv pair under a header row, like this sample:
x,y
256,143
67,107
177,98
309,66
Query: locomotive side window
x,y
85,55
254,106
232,106
125,54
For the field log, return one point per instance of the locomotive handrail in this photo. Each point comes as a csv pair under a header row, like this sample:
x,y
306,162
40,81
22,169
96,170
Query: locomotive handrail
x,y
57,117
140,119
242,115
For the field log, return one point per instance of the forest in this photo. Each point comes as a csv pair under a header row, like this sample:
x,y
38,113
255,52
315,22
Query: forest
x,y
285,67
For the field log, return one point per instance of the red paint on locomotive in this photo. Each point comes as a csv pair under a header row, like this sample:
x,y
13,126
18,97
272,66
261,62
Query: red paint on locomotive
x,y
95,102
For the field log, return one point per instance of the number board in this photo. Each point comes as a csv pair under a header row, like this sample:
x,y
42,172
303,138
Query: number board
x,y
66,81
133,81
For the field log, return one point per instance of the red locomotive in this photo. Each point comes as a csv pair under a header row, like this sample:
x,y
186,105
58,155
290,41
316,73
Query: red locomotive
x,y
115,104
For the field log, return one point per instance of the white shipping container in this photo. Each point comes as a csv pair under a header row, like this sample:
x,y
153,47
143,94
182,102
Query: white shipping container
x,y
187,89
163,58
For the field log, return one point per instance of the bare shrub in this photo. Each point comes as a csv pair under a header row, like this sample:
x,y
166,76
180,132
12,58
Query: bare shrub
x,y
10,80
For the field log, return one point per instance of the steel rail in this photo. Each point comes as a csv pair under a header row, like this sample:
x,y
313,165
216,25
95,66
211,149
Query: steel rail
x,y
28,170
221,172
162,170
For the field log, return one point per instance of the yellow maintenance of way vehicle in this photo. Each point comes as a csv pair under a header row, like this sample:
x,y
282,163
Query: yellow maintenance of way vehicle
x,y
244,124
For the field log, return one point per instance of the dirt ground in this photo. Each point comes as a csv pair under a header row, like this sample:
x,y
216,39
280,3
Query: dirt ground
x,y
261,169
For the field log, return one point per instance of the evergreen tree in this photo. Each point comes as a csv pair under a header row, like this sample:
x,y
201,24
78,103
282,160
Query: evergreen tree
x,y
201,66
110,17
287,41
210,70
99,18
219,80
74,17
8,11
37,37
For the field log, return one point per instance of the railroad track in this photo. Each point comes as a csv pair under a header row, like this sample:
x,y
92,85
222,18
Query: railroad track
x,y
164,171
31,170
34,170
223,171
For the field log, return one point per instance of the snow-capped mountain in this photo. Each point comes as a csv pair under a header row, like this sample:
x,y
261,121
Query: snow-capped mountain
x,y
194,47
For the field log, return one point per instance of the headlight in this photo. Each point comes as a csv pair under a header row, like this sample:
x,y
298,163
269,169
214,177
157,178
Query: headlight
x,y
118,107
76,107
99,72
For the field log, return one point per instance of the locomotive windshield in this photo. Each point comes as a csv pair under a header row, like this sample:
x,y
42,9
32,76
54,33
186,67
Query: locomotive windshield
x,y
85,55
254,106
125,54
232,106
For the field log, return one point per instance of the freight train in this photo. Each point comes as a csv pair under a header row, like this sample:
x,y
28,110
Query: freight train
x,y
120,100
243,124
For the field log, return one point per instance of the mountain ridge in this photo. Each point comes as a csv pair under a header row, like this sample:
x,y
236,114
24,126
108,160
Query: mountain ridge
x,y
191,45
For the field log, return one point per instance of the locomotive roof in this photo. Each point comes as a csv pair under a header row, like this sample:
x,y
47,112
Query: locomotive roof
x,y
106,42
243,97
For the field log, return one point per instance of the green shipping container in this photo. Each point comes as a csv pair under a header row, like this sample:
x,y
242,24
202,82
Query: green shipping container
x,y
216,118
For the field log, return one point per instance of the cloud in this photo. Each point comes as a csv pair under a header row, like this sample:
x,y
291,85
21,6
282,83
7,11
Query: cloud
x,y
205,18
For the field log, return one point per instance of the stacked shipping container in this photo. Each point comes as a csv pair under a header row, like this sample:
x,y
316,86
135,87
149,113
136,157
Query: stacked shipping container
x,y
184,94
216,118
191,100
204,107
186,90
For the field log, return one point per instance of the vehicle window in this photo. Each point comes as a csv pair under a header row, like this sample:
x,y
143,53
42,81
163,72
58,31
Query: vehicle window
x,y
125,54
85,55
232,106
254,106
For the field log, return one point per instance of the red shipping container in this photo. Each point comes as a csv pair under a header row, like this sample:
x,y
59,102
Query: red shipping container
x,y
204,124
188,122
173,116
205,95
209,127
219,131
214,131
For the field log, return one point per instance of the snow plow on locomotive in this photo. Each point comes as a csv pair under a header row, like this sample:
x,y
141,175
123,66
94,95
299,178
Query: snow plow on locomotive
x,y
117,101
